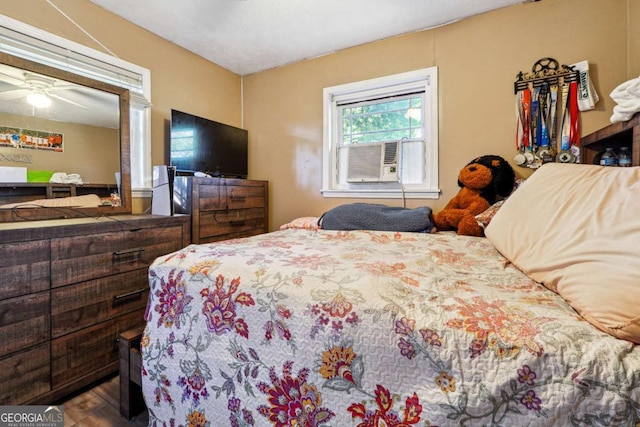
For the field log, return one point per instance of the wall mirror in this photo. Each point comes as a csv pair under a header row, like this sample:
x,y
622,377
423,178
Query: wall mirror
x,y
79,132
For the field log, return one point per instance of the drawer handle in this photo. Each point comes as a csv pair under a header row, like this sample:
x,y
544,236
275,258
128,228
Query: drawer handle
x,y
137,292
237,223
128,252
237,198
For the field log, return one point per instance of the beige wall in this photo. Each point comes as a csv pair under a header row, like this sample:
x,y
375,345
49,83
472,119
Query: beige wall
x,y
634,38
477,58
180,79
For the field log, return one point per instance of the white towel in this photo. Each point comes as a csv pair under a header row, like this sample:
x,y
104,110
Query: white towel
x,y
623,88
627,96
625,111
628,91
587,95
634,89
64,178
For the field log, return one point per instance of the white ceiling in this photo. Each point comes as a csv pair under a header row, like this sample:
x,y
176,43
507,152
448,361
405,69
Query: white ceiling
x,y
71,102
248,36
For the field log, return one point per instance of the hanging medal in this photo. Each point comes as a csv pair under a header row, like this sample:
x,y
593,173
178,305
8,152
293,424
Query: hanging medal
x,y
574,131
553,121
518,159
565,155
524,110
533,161
544,153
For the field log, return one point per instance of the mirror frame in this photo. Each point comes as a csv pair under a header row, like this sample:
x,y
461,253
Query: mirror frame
x,y
125,207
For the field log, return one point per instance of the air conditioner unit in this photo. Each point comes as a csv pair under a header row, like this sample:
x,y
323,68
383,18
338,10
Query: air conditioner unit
x,y
372,162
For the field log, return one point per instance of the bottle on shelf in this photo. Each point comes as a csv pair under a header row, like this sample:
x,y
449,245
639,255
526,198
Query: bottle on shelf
x,y
609,158
624,158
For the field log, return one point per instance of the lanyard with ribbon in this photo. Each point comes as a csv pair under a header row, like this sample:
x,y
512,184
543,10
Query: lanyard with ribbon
x,y
534,133
519,119
565,155
574,131
523,107
535,117
544,151
526,106
531,155
553,114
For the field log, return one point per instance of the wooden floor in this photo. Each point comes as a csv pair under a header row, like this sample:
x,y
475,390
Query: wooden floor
x,y
99,407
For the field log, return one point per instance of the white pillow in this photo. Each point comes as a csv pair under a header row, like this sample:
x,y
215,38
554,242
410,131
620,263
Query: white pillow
x,y
576,229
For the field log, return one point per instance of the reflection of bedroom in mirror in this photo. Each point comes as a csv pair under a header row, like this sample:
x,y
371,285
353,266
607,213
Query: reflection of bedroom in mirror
x,y
64,144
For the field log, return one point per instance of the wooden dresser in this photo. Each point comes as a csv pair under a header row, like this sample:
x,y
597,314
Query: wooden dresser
x,y
69,288
222,208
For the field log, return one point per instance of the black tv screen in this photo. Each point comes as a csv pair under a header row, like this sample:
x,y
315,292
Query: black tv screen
x,y
201,145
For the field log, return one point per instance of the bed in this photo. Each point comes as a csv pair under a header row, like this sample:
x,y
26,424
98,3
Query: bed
x,y
534,325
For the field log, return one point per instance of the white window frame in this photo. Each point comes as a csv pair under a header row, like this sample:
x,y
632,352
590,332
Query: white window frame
x,y
423,80
64,54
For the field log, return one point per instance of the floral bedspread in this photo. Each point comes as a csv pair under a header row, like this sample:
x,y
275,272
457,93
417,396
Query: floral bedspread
x,y
362,328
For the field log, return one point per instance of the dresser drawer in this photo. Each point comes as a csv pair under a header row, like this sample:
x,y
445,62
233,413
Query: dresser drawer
x,y
212,197
68,288
235,235
25,375
24,321
95,348
24,268
81,258
84,304
218,223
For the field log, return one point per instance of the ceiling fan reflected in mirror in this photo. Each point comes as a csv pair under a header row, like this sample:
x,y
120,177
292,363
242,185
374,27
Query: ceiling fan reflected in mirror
x,y
38,90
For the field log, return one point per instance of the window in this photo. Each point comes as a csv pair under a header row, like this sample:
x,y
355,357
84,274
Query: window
x,y
381,137
182,144
36,45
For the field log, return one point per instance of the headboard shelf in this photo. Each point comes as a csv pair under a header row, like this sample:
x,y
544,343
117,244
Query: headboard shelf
x,y
616,135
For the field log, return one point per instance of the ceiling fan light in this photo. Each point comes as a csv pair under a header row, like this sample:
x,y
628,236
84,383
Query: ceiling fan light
x,y
39,100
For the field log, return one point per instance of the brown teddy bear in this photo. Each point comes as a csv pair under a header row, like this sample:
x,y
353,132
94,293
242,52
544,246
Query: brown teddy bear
x,y
485,180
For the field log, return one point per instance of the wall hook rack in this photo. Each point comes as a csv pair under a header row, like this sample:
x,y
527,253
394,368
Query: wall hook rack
x,y
546,70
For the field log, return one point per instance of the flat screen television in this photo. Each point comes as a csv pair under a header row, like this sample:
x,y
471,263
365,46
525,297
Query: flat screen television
x,y
205,146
